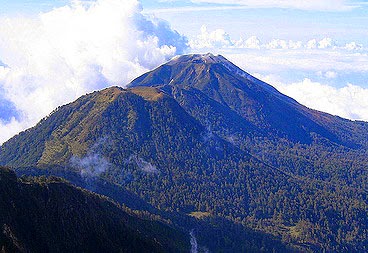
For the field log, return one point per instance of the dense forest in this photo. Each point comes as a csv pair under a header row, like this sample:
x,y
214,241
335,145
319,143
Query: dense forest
x,y
210,149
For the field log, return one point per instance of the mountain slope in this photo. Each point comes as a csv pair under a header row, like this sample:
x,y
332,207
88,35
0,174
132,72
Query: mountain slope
x,y
50,215
257,102
143,140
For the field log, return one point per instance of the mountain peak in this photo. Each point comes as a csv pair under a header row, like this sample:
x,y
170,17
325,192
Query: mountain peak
x,y
208,58
205,72
192,69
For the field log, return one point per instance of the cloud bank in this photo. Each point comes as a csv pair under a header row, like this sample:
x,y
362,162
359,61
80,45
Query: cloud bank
x,y
349,101
219,38
62,54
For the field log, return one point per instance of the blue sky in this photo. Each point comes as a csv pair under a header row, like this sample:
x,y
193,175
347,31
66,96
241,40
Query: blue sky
x,y
237,19
52,51
28,6
266,22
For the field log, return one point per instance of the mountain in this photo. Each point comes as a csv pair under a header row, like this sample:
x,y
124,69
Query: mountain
x,y
202,143
50,215
255,117
194,77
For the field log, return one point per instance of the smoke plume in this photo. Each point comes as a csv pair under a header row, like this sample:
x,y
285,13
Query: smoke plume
x,y
142,164
193,242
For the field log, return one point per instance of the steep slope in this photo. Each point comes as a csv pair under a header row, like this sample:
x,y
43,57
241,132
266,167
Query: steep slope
x,y
50,215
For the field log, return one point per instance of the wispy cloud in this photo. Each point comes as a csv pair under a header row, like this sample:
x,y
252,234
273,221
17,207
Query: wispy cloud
x,y
313,5
196,8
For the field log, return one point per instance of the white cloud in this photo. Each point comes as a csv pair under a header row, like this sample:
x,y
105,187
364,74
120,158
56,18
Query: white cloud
x,y
277,44
312,44
328,74
220,39
215,39
62,54
10,128
326,43
347,102
353,46
252,42
295,44
319,5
